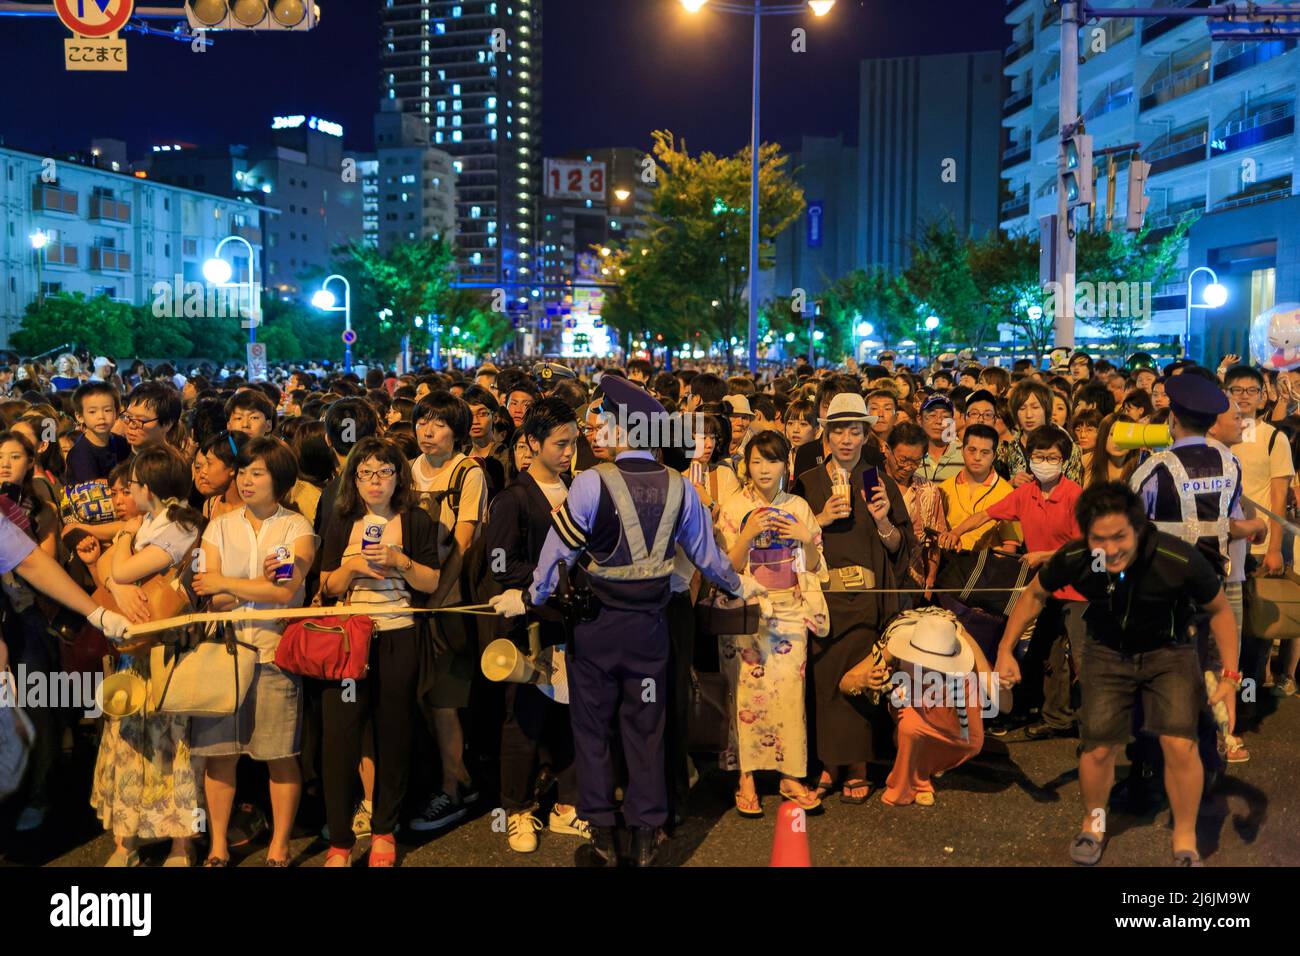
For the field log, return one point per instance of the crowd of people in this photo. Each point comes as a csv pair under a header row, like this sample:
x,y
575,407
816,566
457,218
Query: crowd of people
x,y
822,539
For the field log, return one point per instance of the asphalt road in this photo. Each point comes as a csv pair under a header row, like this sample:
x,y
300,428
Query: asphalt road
x,y
1017,804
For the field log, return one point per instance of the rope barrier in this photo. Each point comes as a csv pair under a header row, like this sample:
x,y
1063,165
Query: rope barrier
x,y
293,613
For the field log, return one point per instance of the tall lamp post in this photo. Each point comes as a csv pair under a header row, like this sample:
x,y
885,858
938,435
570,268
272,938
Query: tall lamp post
x,y
931,323
757,10
218,271
1212,296
39,241
325,301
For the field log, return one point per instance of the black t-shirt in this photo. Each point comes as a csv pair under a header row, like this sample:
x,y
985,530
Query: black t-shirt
x,y
89,462
1147,606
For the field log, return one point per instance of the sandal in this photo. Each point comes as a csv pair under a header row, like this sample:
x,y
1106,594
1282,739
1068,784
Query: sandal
x,y
338,852
383,851
924,798
1187,858
825,786
803,797
749,807
277,864
856,784
217,861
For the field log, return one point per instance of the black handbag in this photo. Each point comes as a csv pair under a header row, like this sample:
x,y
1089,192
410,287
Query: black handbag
x,y
708,724
970,571
718,613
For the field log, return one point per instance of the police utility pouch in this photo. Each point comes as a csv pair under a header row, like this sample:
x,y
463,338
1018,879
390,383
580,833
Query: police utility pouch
x,y
1273,607
206,679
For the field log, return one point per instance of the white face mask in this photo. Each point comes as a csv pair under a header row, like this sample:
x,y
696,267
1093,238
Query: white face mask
x,y
1045,473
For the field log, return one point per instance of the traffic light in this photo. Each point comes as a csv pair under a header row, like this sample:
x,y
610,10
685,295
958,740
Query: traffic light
x,y
251,14
1137,194
1076,170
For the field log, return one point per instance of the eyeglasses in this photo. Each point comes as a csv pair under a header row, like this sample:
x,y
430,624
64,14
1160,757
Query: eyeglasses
x,y
981,416
131,421
914,462
369,474
1236,391
1046,459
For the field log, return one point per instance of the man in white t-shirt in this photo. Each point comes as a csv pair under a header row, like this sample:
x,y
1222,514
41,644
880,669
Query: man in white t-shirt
x,y
452,489
1266,473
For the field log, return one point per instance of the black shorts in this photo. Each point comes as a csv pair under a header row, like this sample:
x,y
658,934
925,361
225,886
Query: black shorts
x,y
1169,679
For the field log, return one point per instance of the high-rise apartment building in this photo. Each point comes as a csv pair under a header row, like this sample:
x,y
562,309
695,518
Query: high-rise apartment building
x,y
472,69
1217,122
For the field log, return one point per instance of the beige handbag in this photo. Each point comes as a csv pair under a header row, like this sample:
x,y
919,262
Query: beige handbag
x,y
208,678
1273,607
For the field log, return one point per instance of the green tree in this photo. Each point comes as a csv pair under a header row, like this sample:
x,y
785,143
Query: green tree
x,y
391,288
100,325
697,247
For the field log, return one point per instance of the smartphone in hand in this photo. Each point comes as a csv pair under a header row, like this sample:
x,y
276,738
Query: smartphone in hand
x,y
870,481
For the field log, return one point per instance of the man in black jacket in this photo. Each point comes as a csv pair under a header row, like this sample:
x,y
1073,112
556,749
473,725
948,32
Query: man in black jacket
x,y
516,528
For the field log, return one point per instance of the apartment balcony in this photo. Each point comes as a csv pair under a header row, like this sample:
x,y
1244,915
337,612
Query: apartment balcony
x,y
1266,191
1119,94
252,234
1179,83
1181,152
1051,76
1016,206
107,259
1052,129
109,210
1175,212
61,254
54,199
1114,32
1260,127
1018,50
1015,154
1237,57
1017,101
1153,30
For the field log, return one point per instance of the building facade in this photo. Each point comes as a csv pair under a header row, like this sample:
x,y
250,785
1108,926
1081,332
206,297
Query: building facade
x,y
415,181
927,150
310,183
472,70
106,232
1216,119
822,245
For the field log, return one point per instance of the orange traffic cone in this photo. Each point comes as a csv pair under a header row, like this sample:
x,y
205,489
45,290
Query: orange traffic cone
x,y
790,848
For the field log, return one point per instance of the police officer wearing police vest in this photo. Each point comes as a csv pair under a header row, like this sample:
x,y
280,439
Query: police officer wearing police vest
x,y
625,519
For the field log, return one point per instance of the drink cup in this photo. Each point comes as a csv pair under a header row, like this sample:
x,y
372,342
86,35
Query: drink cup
x,y
697,472
372,532
840,485
283,562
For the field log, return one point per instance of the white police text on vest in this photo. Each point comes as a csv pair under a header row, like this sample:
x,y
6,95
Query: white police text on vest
x,y
1199,486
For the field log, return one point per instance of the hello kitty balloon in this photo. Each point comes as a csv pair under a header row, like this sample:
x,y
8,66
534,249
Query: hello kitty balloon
x,y
1275,337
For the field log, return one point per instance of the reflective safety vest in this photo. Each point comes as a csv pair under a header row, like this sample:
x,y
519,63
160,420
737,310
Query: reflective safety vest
x,y
1191,528
646,564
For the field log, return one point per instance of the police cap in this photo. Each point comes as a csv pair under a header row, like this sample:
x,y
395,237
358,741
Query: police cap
x,y
548,373
616,392
1197,395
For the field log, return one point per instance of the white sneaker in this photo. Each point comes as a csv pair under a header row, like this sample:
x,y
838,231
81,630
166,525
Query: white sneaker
x,y
522,831
570,824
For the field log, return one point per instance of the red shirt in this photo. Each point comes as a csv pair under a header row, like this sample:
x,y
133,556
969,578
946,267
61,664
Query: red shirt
x,y
1047,523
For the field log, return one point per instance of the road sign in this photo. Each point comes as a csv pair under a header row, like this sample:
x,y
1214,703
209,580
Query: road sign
x,y
107,55
94,18
349,337
256,361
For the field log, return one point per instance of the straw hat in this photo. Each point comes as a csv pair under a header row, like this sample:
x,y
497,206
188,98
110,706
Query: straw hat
x,y
931,641
847,407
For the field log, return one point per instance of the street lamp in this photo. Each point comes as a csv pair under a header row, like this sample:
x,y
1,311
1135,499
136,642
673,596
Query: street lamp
x,y
931,323
325,301
622,195
1212,296
756,9
39,241
219,272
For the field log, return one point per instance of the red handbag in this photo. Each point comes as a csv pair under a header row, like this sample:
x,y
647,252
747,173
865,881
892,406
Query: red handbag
x,y
327,648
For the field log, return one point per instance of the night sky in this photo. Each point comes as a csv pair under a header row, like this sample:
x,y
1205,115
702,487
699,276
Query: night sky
x,y
614,70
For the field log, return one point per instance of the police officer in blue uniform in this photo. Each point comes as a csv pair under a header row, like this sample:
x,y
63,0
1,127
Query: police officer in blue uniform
x,y
1193,491
624,519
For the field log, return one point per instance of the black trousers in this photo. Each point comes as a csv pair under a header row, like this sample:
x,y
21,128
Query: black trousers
x,y
383,704
535,727
681,655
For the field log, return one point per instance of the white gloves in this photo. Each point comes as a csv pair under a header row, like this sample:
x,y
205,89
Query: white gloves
x,y
750,588
509,604
110,622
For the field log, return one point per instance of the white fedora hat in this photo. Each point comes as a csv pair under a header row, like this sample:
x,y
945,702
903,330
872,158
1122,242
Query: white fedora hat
x,y
847,407
930,640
